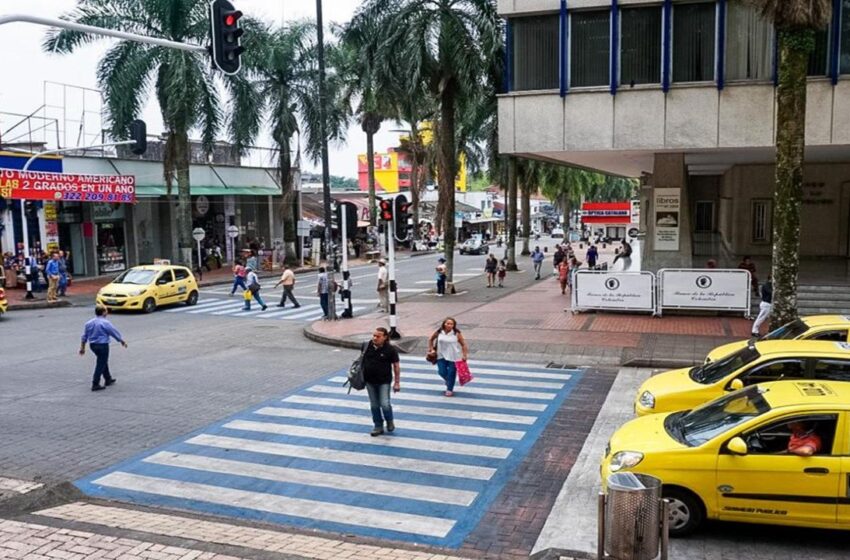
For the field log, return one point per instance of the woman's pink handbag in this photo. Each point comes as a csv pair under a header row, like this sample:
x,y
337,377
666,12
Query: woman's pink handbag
x,y
463,374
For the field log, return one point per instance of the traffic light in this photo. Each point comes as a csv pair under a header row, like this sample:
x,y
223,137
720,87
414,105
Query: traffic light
x,y
139,134
402,215
224,35
350,210
385,209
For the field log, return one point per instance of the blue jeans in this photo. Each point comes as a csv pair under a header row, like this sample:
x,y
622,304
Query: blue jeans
x,y
379,401
259,299
101,367
238,281
441,285
323,301
448,372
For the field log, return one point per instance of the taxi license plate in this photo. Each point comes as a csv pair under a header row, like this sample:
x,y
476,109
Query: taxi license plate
x,y
110,302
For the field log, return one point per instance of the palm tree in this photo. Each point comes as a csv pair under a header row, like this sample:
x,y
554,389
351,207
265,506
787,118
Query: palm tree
x,y
796,22
447,45
184,83
282,69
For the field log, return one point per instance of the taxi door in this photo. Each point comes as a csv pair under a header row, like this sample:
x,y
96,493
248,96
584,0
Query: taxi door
x,y
769,485
844,486
166,290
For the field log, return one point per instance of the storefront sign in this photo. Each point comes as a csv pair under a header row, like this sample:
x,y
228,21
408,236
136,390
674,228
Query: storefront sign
x,y
107,212
606,212
51,227
635,212
667,216
716,289
625,291
202,204
37,185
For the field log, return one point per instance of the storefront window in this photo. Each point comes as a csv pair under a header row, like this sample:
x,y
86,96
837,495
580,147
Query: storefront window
x,y
693,42
535,52
590,48
111,246
749,44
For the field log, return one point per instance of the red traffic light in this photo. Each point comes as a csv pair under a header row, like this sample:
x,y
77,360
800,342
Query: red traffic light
x,y
386,207
229,20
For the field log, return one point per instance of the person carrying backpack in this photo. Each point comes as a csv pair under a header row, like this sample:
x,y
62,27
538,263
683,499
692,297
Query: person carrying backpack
x,y
380,368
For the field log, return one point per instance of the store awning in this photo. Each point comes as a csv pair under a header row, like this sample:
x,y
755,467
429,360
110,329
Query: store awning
x,y
209,180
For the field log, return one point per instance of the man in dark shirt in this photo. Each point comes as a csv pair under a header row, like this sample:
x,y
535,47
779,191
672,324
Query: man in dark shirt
x,y
380,367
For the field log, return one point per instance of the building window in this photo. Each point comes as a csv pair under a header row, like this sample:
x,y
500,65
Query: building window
x,y
749,44
761,221
819,58
535,52
845,37
590,48
640,54
693,42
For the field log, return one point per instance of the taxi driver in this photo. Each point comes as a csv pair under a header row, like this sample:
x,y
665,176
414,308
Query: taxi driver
x,y
803,441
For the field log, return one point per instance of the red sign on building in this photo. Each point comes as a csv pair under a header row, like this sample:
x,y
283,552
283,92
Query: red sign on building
x,y
606,212
38,185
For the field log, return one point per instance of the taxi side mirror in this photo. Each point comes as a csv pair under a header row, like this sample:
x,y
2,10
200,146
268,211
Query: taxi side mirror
x,y
736,385
737,446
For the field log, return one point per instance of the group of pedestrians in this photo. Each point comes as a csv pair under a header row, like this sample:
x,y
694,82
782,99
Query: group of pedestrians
x,y
496,271
246,278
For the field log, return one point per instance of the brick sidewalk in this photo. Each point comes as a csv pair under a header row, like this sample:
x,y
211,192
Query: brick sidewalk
x,y
537,320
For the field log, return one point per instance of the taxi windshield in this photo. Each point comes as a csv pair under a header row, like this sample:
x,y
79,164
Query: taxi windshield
x,y
789,331
717,370
717,417
136,276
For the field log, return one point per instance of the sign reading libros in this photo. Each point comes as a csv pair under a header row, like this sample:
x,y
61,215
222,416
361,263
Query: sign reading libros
x,y
37,185
667,218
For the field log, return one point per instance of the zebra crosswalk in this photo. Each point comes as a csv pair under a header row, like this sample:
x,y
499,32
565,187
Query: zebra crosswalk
x,y
233,307
307,459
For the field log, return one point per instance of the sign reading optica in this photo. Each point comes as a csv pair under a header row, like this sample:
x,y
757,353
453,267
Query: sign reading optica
x,y
606,212
38,185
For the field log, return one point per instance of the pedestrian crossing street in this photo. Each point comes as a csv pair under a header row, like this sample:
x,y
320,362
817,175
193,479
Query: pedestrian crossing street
x,y
307,459
233,307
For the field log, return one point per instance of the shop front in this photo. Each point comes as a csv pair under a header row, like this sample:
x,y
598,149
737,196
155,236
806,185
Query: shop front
x,y
110,233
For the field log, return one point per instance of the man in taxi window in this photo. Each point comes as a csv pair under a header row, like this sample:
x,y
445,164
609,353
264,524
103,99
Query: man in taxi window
x,y
803,441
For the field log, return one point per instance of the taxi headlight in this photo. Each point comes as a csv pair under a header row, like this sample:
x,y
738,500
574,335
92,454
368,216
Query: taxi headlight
x,y
135,293
625,460
647,400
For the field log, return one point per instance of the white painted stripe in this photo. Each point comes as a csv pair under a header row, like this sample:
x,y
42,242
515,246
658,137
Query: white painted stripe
x,y
345,457
402,409
477,390
422,492
364,420
517,365
297,507
303,314
204,303
240,310
365,439
410,290
424,366
221,305
413,373
437,399
290,310
315,316
432,282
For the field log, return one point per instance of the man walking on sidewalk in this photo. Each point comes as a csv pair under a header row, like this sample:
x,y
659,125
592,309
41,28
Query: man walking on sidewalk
x,y
97,333
323,291
537,258
380,366
51,270
383,286
288,281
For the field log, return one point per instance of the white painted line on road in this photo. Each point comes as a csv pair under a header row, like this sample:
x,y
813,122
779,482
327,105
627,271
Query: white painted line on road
x,y
224,304
478,390
473,362
412,372
311,478
425,367
291,310
365,439
401,409
282,505
199,305
364,420
417,397
346,457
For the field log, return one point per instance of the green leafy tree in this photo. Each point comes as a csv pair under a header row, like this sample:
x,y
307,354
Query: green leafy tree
x,y
184,83
446,45
796,22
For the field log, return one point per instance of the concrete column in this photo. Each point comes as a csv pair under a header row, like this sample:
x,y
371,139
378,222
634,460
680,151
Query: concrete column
x,y
669,171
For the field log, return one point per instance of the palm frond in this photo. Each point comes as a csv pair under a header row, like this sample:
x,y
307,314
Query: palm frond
x,y
796,14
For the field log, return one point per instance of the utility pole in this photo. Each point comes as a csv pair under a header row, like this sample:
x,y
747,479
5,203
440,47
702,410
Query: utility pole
x,y
326,174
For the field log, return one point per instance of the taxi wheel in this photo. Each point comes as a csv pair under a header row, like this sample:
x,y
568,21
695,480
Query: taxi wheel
x,y
149,306
193,298
686,512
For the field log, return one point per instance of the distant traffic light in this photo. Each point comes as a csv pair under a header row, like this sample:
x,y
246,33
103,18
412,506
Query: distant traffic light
x,y
350,210
224,36
402,215
139,134
385,209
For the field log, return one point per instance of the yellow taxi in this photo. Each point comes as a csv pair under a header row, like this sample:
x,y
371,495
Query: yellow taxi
x,y
4,305
834,328
758,362
148,287
739,458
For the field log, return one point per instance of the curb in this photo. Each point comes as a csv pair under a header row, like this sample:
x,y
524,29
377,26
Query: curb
x,y
659,363
39,305
405,346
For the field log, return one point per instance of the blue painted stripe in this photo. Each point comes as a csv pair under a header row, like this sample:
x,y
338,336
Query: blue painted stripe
x,y
519,378
486,382
471,394
720,78
667,45
388,503
402,416
471,460
316,465
405,362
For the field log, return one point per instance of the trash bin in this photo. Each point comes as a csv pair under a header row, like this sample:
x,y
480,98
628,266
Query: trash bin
x,y
632,516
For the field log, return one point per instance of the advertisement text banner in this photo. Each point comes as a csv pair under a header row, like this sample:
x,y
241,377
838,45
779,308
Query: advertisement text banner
x,y
38,185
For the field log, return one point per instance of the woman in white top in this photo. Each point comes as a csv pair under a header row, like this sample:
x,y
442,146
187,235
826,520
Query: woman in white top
x,y
449,346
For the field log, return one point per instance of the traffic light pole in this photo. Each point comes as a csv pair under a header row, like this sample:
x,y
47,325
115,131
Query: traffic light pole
x,y
394,334
346,275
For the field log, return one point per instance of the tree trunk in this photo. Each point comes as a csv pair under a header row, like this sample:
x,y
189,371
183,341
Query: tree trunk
x,y
448,171
511,233
288,203
184,199
526,217
794,47
565,207
370,162
414,194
